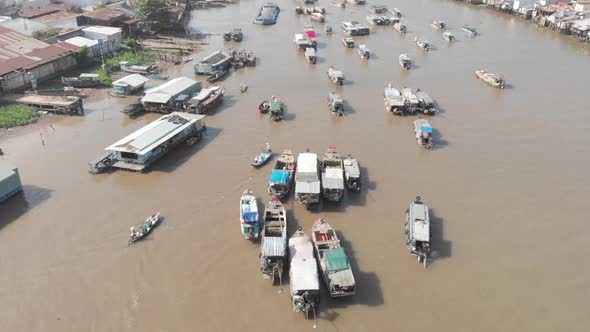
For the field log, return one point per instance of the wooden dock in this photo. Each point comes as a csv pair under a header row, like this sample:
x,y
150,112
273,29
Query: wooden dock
x,y
54,104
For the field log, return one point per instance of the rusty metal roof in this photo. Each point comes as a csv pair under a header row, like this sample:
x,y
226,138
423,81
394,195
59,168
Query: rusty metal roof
x,y
55,17
105,14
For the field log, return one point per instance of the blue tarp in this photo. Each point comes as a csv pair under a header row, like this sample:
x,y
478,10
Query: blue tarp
x,y
250,216
279,176
427,129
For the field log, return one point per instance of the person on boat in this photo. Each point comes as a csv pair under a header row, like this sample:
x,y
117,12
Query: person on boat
x,y
274,99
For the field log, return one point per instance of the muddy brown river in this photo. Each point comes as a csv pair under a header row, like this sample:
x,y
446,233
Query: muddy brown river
x,y
506,181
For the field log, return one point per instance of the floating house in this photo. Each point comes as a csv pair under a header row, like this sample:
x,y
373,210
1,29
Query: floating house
x,y
10,183
129,84
216,61
141,148
160,98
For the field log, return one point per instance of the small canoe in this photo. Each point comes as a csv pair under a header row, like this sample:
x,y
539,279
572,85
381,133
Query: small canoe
x,y
264,107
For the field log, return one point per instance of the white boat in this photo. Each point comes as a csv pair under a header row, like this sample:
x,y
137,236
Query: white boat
x,y
411,101
332,175
396,13
400,28
352,174
364,51
448,36
426,104
307,179
470,31
335,76
439,25
417,230
338,4
404,61
422,44
249,222
310,55
394,101
348,42
495,80
304,279
424,132
273,247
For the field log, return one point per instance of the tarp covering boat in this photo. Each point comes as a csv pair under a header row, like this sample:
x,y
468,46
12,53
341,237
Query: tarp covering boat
x,y
250,216
310,34
279,176
336,260
426,129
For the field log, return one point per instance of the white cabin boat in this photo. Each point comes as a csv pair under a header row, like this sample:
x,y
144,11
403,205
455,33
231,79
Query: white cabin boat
x,y
364,51
417,230
410,100
332,175
405,62
424,132
307,179
249,223
304,279
335,76
492,79
394,101
310,55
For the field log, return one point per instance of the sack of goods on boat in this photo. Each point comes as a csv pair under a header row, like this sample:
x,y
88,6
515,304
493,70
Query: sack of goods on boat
x,y
139,232
334,264
405,62
332,175
336,76
352,174
364,51
394,101
304,278
336,104
348,42
282,175
448,36
249,223
495,80
424,133
273,249
400,28
422,44
426,104
417,230
310,55
307,179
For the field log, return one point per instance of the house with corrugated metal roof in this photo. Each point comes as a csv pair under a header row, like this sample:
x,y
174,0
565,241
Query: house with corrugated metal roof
x,y
158,98
23,58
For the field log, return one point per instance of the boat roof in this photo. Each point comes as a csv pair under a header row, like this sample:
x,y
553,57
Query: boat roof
x,y
133,80
204,94
392,93
310,34
304,275
420,222
307,162
279,176
352,167
155,133
273,247
301,247
332,178
336,260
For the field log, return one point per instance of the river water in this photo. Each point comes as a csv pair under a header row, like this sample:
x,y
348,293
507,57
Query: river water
x,y
505,182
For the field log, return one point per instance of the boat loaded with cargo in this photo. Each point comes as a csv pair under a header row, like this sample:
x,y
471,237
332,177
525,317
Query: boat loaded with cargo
x,y
425,103
140,232
470,31
282,175
249,222
273,247
417,230
332,175
335,76
310,55
304,278
411,101
495,80
364,51
334,264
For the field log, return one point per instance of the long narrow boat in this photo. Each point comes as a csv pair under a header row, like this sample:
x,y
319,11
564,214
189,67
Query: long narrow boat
x,y
282,175
249,222
422,44
417,230
352,174
304,279
262,158
495,80
470,31
273,249
139,232
334,263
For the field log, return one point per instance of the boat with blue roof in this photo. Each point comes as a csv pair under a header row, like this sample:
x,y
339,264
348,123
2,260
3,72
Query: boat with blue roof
x,y
263,157
424,132
282,174
249,221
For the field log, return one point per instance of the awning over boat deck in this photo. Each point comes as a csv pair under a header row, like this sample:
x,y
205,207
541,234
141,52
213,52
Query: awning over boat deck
x,y
304,275
301,248
250,216
426,129
333,178
273,247
279,176
310,34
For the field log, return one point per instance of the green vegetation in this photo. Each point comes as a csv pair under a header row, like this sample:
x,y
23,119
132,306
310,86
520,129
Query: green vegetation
x,y
129,42
112,64
17,115
153,13
44,34
76,9
103,77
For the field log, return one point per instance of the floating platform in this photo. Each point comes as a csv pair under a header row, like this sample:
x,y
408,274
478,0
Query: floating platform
x,y
54,104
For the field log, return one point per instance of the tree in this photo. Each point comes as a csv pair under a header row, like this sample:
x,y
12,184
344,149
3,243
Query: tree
x,y
153,13
76,9
82,55
44,34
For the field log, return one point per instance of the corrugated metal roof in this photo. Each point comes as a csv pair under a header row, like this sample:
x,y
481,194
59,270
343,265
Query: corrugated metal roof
x,y
307,187
103,30
55,17
133,80
39,12
81,41
273,247
333,178
420,222
307,162
304,274
156,98
105,14
174,87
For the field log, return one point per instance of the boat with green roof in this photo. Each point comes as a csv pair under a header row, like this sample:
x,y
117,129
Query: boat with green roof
x,y
332,259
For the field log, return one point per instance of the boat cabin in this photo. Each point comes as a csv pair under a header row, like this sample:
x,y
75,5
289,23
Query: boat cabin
x,y
417,229
354,28
216,61
377,9
336,104
307,180
348,42
310,55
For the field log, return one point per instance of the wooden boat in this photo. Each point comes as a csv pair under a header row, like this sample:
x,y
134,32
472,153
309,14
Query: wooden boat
x,y
422,44
82,81
439,25
352,174
495,80
249,222
470,31
336,104
400,28
310,55
411,101
273,247
332,175
235,35
338,4
277,110
364,51
405,62
304,280
282,175
139,232
264,107
262,158
335,76
137,69
101,163
423,132
426,104
334,264
417,230
217,75
448,36
157,76
206,100
348,42
133,108
394,101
